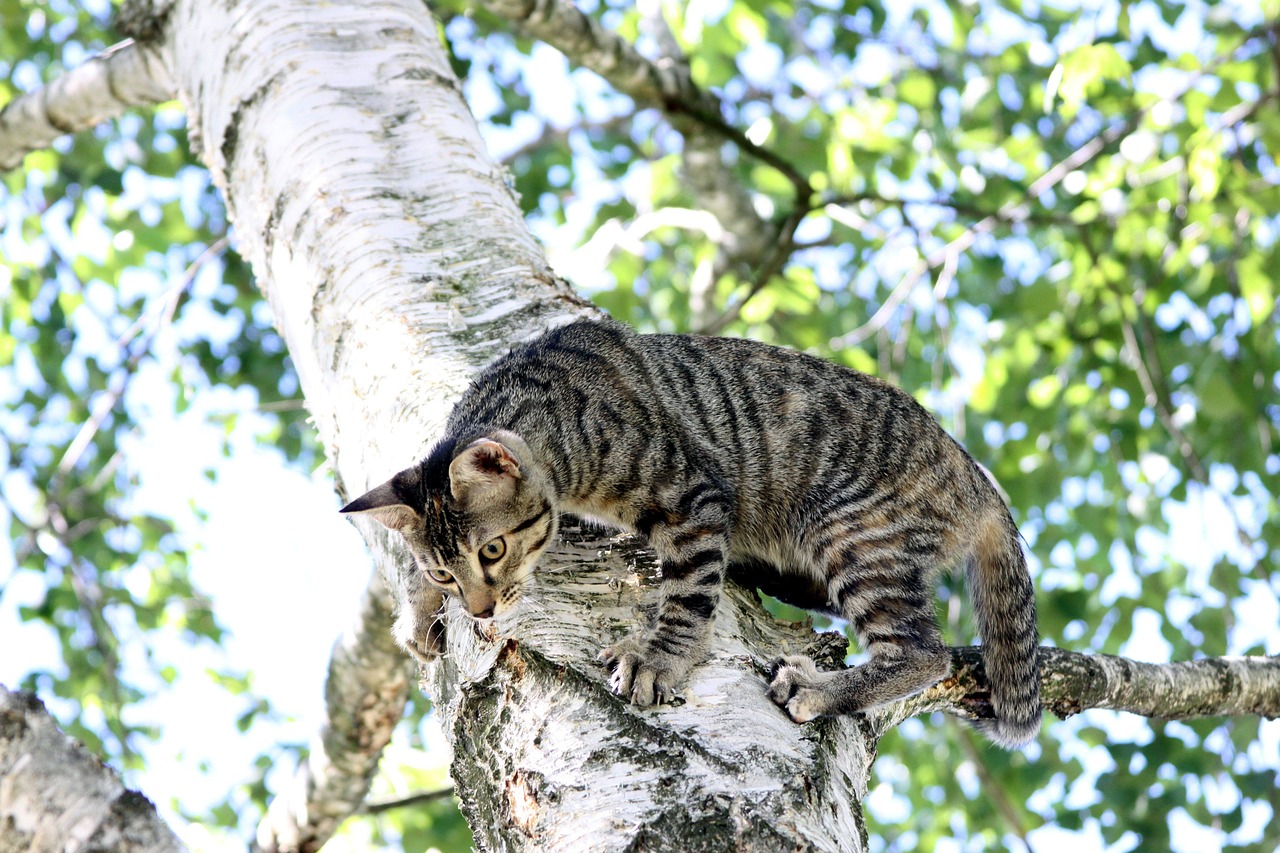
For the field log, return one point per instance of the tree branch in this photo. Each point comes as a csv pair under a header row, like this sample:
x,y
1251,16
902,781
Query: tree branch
x,y
1209,687
963,208
365,694
392,803
126,75
587,43
783,247
756,247
1071,682
56,796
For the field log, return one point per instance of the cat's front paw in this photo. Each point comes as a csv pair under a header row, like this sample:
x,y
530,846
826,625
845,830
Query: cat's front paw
x,y
642,675
797,688
421,635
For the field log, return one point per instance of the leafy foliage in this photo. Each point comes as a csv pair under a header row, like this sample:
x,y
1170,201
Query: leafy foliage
x,y
120,305
1057,226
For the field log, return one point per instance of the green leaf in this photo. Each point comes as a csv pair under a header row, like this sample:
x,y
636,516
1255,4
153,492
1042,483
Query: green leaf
x,y
1082,72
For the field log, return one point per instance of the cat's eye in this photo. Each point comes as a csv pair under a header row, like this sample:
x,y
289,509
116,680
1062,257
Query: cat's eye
x,y
440,576
493,550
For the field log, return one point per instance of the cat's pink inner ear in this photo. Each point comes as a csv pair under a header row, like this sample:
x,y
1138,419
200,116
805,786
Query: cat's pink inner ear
x,y
490,457
485,469
394,517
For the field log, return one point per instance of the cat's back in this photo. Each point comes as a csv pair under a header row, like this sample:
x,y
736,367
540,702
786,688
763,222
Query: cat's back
x,y
789,431
732,391
742,387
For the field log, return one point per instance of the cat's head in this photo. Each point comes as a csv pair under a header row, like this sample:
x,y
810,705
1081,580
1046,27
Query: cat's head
x,y
476,515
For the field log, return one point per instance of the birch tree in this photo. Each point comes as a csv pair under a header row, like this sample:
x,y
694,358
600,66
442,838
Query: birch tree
x,y
396,262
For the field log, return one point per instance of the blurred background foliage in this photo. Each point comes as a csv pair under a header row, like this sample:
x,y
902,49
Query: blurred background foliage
x,y
1055,223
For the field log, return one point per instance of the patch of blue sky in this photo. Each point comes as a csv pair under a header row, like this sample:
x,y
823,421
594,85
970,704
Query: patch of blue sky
x,y
282,571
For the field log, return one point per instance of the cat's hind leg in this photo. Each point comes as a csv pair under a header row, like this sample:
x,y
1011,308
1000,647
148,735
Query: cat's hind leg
x,y
806,692
891,611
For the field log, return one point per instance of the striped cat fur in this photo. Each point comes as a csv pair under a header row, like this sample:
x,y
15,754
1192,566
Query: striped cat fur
x,y
826,488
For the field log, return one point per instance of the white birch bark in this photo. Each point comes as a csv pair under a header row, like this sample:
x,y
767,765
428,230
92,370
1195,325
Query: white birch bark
x,y
395,260
127,75
547,758
56,796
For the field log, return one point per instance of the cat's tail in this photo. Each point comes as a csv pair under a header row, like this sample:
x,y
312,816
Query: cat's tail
x,y
1005,604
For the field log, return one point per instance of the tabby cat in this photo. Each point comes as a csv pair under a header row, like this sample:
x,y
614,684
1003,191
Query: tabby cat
x,y
824,487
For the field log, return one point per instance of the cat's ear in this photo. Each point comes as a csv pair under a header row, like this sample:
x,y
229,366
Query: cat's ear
x,y
385,504
485,471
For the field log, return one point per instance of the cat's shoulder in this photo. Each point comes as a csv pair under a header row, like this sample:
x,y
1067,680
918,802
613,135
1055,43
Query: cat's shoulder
x,y
581,336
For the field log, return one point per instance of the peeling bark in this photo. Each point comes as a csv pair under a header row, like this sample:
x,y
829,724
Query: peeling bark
x,y
126,75
56,796
547,758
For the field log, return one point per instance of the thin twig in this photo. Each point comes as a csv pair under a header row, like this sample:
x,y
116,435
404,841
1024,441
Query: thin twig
x,y
415,799
992,787
804,190
106,403
782,250
1011,216
554,135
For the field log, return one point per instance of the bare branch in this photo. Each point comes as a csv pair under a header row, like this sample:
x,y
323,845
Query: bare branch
x,y
560,136
1071,682
126,75
392,803
585,42
749,241
168,306
783,247
963,208
365,694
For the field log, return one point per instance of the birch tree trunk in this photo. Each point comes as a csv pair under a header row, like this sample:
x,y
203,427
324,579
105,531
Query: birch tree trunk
x,y
397,263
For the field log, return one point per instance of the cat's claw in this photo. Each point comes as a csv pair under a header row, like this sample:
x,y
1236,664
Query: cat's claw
x,y
641,677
